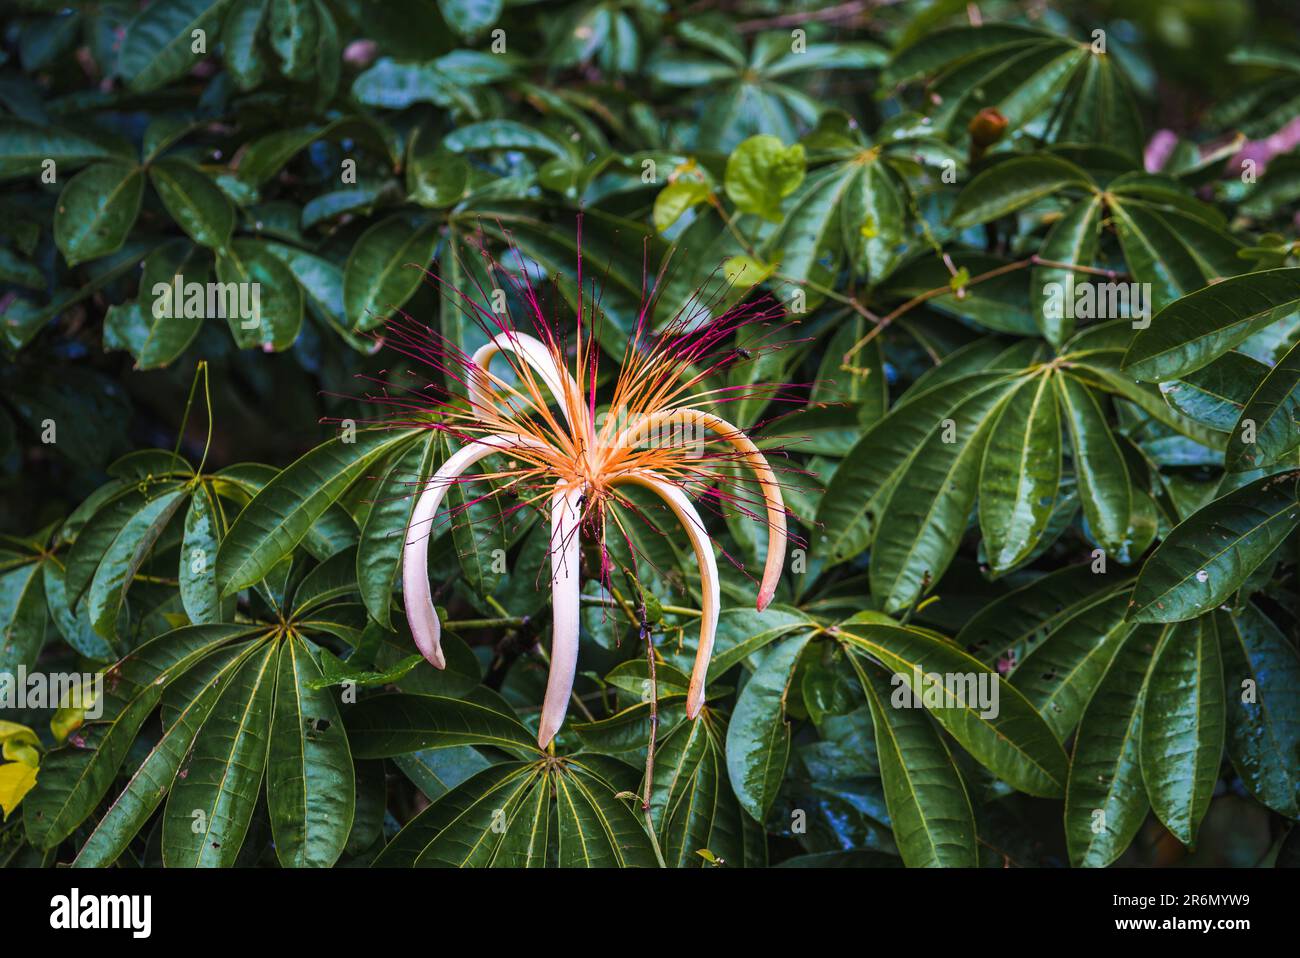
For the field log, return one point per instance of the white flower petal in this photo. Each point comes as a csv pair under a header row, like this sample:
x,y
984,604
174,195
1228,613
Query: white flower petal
x,y
483,395
420,615
709,584
566,554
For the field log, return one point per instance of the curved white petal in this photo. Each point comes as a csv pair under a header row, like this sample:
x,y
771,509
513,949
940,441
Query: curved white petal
x,y
425,628
753,457
566,554
709,585
482,394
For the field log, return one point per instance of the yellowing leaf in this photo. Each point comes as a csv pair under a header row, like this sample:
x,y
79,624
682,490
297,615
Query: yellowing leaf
x,y
16,780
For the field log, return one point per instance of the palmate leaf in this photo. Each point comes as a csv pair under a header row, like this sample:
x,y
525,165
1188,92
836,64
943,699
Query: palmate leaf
x,y
1024,73
1206,557
73,779
1262,680
1182,725
525,814
758,735
286,507
383,534
929,506
1106,799
1028,614
1203,325
1104,484
1015,183
211,803
397,723
1074,240
934,823
1272,413
1169,244
1061,670
1217,393
692,805
1021,472
384,269
850,512
1015,744
310,789
124,557
149,785
23,610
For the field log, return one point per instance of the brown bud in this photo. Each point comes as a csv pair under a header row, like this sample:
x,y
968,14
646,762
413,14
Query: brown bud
x,y
987,128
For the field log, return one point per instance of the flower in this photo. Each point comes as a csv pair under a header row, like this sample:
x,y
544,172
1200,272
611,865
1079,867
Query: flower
x,y
574,462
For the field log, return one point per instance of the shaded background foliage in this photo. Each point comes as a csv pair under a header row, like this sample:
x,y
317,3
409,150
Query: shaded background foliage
x,y
229,162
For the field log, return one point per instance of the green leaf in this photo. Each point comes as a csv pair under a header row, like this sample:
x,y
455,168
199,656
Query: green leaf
x,y
1183,726
378,555
1105,799
194,202
1073,239
758,736
595,828
931,814
1172,251
1217,393
93,539
73,779
97,209
1272,412
124,557
691,804
294,30
25,147
1203,325
502,135
850,510
1033,611
1010,739
73,625
761,172
1104,484
465,826
1262,681
1207,556
310,789
384,270
25,617
1060,672
675,199
1015,183
198,563
270,297
133,808
393,724
159,42
240,50
1021,473
212,800
435,772
928,509
286,508
469,18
